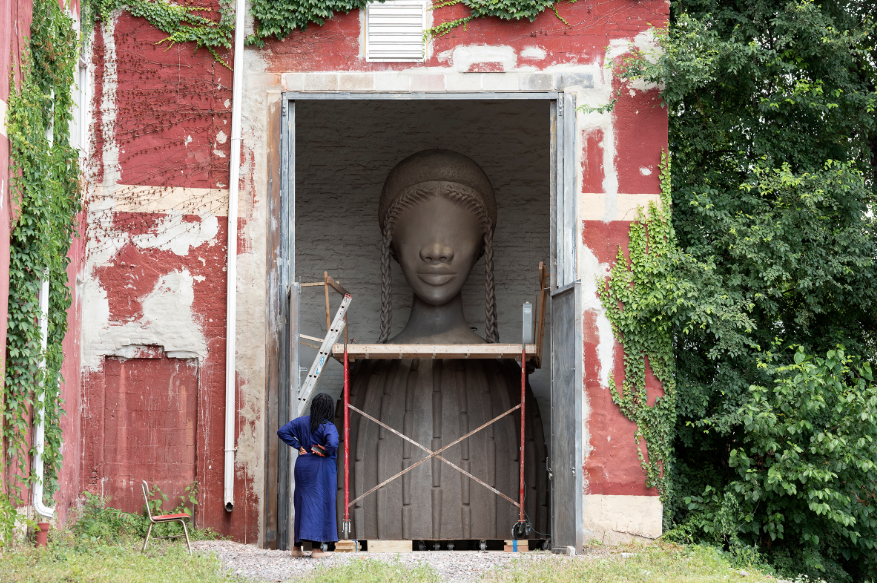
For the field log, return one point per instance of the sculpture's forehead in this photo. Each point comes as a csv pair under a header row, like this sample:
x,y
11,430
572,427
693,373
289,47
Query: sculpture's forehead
x,y
437,169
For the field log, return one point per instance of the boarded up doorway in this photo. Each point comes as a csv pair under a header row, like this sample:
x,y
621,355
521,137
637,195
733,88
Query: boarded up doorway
x,y
149,427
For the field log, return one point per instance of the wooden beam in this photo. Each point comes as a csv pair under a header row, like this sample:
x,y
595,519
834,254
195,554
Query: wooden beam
x,y
432,351
543,297
336,285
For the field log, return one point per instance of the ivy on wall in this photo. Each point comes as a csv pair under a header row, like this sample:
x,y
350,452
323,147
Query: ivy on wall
x,y
636,296
278,19
182,23
44,189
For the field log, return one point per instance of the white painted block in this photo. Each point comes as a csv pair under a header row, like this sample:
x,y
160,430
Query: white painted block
x,y
427,83
391,82
499,81
463,82
321,82
356,82
536,82
293,81
616,519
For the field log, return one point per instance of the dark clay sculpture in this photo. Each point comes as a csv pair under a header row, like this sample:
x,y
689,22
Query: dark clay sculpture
x,y
437,215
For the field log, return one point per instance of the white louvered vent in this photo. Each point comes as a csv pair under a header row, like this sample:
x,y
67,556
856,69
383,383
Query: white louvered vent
x,y
394,30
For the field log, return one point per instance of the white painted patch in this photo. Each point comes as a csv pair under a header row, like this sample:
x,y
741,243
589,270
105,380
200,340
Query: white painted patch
x,y
468,55
620,519
167,321
592,271
227,103
175,234
188,141
533,53
219,153
645,171
221,137
3,108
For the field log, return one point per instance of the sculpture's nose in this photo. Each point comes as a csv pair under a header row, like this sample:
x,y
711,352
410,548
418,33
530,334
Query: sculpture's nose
x,y
437,253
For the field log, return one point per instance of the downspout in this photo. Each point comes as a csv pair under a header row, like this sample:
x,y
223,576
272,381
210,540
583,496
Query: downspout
x,y
40,430
231,271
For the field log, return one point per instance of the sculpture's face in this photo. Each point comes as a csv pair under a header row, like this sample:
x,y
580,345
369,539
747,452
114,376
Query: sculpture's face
x,y
437,242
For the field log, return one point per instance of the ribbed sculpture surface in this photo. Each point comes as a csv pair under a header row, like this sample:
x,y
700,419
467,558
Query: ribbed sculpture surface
x,y
437,215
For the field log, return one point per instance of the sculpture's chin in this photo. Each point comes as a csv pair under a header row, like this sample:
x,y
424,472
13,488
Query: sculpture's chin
x,y
436,299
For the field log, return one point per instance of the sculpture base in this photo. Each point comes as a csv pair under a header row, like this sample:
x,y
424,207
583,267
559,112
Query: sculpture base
x,y
434,402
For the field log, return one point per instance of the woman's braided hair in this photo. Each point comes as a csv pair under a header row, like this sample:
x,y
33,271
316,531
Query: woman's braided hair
x,y
322,411
467,197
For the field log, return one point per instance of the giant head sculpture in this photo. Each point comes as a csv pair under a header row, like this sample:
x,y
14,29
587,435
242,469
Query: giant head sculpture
x,y
437,215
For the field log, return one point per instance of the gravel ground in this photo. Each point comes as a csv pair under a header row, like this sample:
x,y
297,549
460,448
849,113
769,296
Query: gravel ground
x,y
268,565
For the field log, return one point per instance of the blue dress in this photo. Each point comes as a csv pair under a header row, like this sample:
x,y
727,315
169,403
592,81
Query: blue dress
x,y
316,479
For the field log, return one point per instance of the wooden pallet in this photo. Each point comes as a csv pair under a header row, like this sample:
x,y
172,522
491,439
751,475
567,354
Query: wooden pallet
x,y
389,546
346,546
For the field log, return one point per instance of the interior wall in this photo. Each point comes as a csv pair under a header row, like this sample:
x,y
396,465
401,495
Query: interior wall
x,y
344,151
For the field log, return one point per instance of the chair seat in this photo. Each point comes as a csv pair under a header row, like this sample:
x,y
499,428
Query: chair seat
x,y
164,517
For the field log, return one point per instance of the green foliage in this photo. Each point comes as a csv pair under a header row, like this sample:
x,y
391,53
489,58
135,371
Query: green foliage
x,y
71,557
279,18
654,563
774,137
99,523
635,296
182,23
374,571
45,197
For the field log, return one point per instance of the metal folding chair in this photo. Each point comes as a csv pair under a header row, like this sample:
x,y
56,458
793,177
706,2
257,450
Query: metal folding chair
x,y
164,518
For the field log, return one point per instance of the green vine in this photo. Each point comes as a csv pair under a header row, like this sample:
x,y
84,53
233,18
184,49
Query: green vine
x,y
635,296
45,194
278,19
182,23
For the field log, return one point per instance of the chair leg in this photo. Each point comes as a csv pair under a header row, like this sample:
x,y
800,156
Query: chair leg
x,y
186,532
148,532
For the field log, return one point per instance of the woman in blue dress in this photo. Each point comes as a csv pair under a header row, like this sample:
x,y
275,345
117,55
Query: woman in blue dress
x,y
316,476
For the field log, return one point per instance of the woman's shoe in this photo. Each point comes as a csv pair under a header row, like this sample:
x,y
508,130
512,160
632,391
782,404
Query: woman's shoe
x,y
297,552
320,554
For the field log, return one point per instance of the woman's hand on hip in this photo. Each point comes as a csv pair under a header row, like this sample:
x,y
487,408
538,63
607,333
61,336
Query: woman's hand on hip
x,y
301,451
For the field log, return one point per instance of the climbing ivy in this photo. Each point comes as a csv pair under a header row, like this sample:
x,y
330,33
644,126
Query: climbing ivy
x,y
636,296
45,195
182,23
279,18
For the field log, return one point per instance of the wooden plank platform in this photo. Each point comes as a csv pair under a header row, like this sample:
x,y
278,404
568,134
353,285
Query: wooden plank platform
x,y
431,351
389,546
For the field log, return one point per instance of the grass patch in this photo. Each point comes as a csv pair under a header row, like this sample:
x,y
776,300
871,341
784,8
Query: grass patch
x,y
654,563
103,545
373,571
118,563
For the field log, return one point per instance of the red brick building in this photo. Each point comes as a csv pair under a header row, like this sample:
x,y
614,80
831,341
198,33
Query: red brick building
x,y
326,113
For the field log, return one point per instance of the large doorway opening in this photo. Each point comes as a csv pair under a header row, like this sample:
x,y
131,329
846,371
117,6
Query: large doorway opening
x,y
337,151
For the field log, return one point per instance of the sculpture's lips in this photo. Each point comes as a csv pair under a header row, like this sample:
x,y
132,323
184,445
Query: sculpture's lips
x,y
437,276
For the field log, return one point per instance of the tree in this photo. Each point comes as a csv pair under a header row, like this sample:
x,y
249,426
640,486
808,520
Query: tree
x,y
773,133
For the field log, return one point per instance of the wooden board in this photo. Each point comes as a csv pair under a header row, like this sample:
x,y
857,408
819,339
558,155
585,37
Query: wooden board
x,y
345,546
432,351
523,546
389,546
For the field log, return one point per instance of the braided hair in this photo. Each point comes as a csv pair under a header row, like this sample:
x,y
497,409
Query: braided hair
x,y
469,199
322,411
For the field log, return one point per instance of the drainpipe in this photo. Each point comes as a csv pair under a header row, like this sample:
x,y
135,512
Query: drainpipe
x,y
231,271
40,430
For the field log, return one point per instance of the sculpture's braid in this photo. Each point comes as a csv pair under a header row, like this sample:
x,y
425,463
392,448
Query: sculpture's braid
x,y
386,280
491,332
469,202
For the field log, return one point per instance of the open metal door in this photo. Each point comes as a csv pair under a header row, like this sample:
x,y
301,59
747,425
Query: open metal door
x,y
566,417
